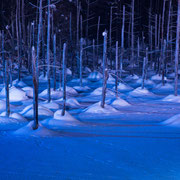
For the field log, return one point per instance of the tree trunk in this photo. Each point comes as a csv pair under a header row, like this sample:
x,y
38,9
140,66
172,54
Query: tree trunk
x,y
64,80
35,90
122,42
105,71
116,83
48,54
97,41
81,61
39,37
54,62
132,38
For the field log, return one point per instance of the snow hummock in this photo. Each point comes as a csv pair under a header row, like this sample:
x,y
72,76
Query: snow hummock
x,y
132,77
18,83
122,86
28,90
15,116
60,121
140,92
172,98
54,94
42,111
119,102
95,76
110,80
71,102
97,109
98,92
70,91
51,105
15,94
40,132
158,77
68,72
173,121
66,117
166,86
4,120
146,81
78,81
81,88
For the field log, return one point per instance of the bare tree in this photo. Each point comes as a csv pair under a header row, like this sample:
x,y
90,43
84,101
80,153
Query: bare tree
x,y
64,80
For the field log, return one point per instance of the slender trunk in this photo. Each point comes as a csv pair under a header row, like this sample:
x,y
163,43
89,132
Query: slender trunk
x,y
122,42
7,88
144,71
163,15
110,38
116,83
54,61
163,62
105,71
3,58
64,80
132,37
39,36
94,65
35,90
48,54
97,41
81,55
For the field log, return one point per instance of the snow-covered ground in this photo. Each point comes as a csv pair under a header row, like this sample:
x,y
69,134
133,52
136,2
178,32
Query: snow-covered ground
x,y
136,136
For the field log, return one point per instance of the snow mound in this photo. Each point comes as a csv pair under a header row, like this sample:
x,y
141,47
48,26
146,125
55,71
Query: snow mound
x,y
51,105
66,117
81,89
71,102
8,120
173,121
111,80
15,94
122,86
158,77
18,83
28,90
70,91
147,82
119,103
95,76
98,92
97,109
28,111
15,116
68,72
166,86
54,94
140,92
40,132
172,98
132,77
